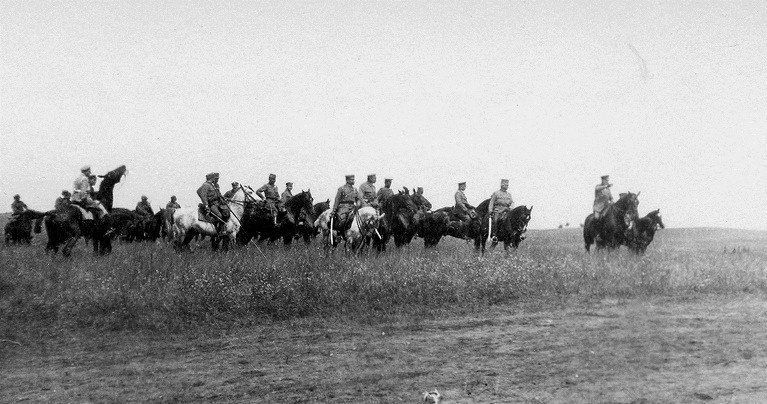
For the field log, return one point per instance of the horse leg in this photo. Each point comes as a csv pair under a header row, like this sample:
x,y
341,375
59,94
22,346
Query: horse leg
x,y
69,245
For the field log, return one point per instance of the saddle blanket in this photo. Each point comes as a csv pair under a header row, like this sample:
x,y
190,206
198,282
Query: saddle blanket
x,y
87,215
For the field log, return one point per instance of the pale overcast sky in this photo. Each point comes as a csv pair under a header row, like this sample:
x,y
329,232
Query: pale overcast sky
x,y
669,98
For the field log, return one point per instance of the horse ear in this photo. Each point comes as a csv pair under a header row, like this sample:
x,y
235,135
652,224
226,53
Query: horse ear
x,y
638,193
100,176
531,208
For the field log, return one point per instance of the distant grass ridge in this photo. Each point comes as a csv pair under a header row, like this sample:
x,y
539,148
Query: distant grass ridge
x,y
148,286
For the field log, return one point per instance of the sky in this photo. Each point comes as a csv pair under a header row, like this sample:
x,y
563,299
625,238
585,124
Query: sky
x,y
669,98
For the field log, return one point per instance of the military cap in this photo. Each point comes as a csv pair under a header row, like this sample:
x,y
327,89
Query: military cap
x,y
211,176
143,197
462,183
17,196
173,197
65,193
504,181
387,179
272,176
288,184
371,175
420,189
350,177
235,184
85,168
605,177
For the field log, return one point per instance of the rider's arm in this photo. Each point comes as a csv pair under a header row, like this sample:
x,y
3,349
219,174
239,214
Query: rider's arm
x,y
260,192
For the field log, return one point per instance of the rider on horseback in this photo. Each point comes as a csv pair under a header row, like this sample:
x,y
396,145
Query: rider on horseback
x,y
347,199
144,208
17,207
62,201
172,204
287,193
500,202
603,198
269,193
462,207
368,192
385,192
82,193
212,201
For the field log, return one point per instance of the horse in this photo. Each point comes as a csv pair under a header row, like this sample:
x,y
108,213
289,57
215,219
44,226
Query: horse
x,y
362,230
610,230
19,228
465,230
432,226
512,224
187,224
290,218
66,225
259,221
305,228
398,220
643,232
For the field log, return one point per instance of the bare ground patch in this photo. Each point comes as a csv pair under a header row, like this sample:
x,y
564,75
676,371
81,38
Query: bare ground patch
x,y
654,350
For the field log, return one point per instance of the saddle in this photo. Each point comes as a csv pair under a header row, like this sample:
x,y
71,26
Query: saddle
x,y
204,216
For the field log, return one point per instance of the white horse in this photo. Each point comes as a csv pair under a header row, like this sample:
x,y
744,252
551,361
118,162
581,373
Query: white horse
x,y
186,223
363,228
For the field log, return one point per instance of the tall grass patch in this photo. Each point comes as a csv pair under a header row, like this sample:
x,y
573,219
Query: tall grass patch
x,y
149,286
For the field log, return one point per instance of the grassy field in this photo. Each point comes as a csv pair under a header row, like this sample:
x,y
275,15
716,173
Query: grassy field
x,y
154,318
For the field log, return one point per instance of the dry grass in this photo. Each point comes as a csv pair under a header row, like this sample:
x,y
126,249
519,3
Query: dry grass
x,y
148,286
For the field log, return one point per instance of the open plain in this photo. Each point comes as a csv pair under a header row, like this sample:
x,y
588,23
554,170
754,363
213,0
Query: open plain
x,y
686,322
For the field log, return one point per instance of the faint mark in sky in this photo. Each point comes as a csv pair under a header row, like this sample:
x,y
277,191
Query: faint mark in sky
x,y
642,64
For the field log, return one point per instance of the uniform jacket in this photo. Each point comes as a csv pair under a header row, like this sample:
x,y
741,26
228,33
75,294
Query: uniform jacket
x,y
461,201
209,193
172,205
499,201
286,194
384,194
602,197
269,191
144,208
346,194
368,192
82,189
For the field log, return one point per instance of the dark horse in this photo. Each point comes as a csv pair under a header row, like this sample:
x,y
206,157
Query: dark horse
x,y
258,220
19,228
131,226
398,221
644,231
65,226
512,225
611,229
457,228
305,228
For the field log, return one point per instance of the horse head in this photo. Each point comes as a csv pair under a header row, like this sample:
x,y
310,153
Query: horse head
x,y
627,205
656,219
105,193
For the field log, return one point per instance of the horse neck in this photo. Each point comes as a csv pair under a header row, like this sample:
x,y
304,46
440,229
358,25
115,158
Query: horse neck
x,y
295,204
105,195
237,204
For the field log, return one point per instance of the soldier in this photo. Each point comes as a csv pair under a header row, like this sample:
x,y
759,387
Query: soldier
x,y
230,193
63,201
172,204
462,207
347,199
212,200
287,193
144,208
425,204
500,201
17,207
385,192
368,192
82,193
269,193
603,198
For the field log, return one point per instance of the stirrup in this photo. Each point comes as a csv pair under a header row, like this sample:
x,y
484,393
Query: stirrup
x,y
494,239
